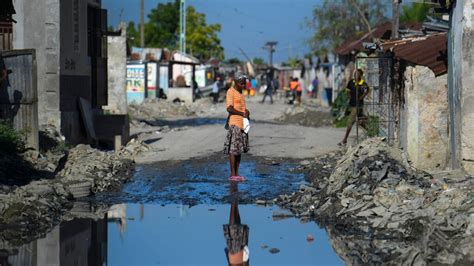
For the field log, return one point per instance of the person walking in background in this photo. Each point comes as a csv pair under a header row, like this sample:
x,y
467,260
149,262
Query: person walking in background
x,y
268,90
357,89
253,83
215,90
314,84
297,90
237,141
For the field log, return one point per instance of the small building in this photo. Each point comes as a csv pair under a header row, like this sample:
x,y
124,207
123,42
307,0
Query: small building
x,y
70,40
408,101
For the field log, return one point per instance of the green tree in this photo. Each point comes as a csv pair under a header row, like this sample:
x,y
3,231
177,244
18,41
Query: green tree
x,y
415,12
132,34
336,21
162,28
258,61
293,62
201,39
233,61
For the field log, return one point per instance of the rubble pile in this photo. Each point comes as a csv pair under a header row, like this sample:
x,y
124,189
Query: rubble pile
x,y
88,169
152,109
15,170
31,209
133,149
53,148
205,106
319,168
377,209
305,116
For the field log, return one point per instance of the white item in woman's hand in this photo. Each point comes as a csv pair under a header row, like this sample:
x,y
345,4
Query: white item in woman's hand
x,y
246,125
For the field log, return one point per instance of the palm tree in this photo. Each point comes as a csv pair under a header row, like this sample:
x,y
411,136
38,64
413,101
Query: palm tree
x,y
416,12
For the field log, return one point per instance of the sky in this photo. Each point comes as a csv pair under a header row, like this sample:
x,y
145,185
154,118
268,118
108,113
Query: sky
x,y
246,24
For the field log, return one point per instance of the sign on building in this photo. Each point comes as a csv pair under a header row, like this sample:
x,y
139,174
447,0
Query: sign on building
x,y
136,83
152,75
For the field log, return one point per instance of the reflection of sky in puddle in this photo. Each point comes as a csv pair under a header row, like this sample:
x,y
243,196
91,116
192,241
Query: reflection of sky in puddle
x,y
178,235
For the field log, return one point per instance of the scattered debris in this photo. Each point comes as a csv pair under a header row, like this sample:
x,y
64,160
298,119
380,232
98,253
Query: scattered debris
x,y
104,170
374,192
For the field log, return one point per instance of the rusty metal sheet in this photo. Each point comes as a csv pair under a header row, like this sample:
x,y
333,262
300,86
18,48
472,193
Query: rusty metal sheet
x,y
429,51
383,32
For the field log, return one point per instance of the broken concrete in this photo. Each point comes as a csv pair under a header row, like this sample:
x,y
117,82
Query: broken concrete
x,y
379,210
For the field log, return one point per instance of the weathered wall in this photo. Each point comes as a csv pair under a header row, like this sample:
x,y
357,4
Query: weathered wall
x,y
75,66
57,30
117,72
38,28
426,120
467,100
462,83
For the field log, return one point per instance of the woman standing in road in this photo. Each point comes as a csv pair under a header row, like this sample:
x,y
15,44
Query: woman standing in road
x,y
237,141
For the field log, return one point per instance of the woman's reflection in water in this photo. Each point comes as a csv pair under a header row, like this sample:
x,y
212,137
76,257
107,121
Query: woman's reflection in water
x,y
236,234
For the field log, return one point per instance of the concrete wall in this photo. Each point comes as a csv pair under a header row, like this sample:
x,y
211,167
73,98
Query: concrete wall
x,y
38,28
117,72
426,109
75,66
57,30
462,83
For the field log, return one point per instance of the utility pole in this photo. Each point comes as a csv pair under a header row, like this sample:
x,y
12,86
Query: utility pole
x,y
142,23
182,27
395,18
269,46
290,51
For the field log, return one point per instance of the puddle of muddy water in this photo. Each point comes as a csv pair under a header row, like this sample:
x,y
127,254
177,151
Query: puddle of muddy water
x,y
205,181
172,213
150,234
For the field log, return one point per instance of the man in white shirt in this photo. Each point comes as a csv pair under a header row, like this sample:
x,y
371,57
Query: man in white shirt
x,y
215,90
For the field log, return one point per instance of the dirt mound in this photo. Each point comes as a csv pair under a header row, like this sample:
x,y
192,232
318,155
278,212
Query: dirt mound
x,y
306,117
152,109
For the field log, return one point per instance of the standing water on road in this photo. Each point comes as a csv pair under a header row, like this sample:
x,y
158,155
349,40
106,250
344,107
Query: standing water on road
x,y
172,213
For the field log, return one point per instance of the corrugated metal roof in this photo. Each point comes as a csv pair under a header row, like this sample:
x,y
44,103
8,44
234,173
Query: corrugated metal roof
x,y
381,32
429,51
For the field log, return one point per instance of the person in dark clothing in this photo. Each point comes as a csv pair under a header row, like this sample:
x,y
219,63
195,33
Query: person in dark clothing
x,y
357,89
269,90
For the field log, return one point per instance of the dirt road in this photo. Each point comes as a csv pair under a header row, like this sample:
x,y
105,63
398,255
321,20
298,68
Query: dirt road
x,y
204,134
